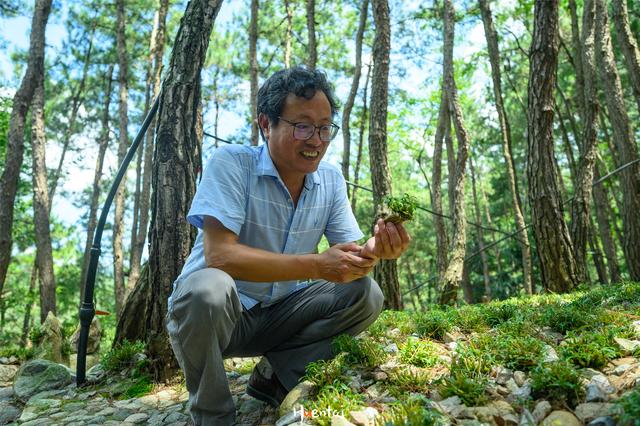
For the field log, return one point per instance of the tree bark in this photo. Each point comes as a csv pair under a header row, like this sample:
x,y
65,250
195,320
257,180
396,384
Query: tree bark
x,y
442,242
555,251
15,138
123,122
386,271
604,229
253,70
483,254
628,44
578,53
623,137
97,177
44,252
507,152
581,204
311,31
155,61
453,274
348,106
176,158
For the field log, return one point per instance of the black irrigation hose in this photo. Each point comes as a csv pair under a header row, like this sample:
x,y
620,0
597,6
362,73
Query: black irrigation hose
x,y
87,309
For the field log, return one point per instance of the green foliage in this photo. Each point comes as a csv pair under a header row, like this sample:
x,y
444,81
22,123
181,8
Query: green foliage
x,y
122,356
470,318
389,320
402,208
517,352
558,382
432,324
564,317
630,406
334,399
590,349
469,389
359,351
246,367
418,352
22,353
402,381
413,412
142,386
326,372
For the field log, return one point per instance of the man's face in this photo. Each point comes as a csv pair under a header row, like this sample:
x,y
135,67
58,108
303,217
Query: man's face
x,y
294,158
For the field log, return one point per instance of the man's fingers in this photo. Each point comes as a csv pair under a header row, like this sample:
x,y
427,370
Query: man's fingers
x,y
361,262
394,236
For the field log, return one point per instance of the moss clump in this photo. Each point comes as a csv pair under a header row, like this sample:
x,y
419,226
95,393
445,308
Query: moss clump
x,y
413,412
420,353
590,349
557,381
122,356
330,372
332,400
367,353
400,209
433,324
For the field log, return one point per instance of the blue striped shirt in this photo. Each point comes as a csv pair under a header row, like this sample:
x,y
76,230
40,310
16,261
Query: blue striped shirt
x,y
242,189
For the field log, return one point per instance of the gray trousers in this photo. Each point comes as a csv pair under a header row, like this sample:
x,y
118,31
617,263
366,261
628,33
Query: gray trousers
x,y
208,323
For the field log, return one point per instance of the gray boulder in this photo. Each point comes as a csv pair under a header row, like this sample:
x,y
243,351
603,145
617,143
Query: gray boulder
x,y
93,342
39,375
49,345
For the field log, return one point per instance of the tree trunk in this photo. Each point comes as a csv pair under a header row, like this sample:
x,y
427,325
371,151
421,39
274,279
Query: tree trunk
x,y
253,70
28,307
97,177
555,251
578,53
483,254
44,252
453,274
604,228
155,60
289,34
596,254
628,44
442,242
623,137
386,271
348,106
505,129
363,124
123,122
581,204
176,158
311,30
15,137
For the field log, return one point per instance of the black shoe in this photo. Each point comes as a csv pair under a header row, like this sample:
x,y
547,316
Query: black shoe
x,y
270,390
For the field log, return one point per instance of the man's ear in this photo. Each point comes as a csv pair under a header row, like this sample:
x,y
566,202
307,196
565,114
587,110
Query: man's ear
x,y
264,125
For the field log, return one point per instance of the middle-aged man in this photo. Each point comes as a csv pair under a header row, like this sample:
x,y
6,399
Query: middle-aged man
x,y
255,283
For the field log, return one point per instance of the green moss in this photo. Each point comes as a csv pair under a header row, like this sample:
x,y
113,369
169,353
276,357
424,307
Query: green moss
x,y
558,382
246,367
402,208
327,372
364,352
23,354
469,389
418,352
122,356
414,412
331,400
389,320
630,409
433,324
590,349
517,352
404,381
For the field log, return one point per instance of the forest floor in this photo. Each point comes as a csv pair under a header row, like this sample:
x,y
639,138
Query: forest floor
x,y
549,359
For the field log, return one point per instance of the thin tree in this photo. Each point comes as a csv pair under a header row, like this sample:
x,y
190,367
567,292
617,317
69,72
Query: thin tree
x,y
442,241
175,161
348,106
507,143
15,138
153,86
41,206
581,204
123,143
623,138
253,70
454,272
628,45
486,279
601,206
555,251
386,271
312,59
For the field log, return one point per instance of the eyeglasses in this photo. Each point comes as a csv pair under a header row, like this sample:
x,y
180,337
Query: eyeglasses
x,y
305,131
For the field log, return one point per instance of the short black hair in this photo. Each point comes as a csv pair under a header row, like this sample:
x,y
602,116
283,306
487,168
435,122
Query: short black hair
x,y
301,82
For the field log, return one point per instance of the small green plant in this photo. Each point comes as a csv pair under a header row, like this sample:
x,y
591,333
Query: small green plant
x,y
389,320
470,318
564,317
590,349
122,356
470,389
629,406
141,386
332,400
432,324
402,381
474,358
327,372
413,412
246,367
517,352
499,312
21,353
401,209
365,352
557,381
418,352
36,334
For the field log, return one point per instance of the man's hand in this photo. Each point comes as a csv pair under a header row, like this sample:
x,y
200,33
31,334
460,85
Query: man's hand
x,y
342,263
389,241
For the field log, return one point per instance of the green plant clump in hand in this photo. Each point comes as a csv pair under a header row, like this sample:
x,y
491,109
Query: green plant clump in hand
x,y
401,209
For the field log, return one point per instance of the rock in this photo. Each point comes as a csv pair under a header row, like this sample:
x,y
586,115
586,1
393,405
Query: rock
x,y
621,369
50,344
90,361
394,333
364,417
300,391
38,375
502,374
627,346
603,383
549,335
93,341
6,393
339,420
549,354
379,375
520,394
137,418
527,419
519,377
561,418
592,410
595,393
289,418
8,413
542,410
391,348
603,421
450,404
7,372
636,328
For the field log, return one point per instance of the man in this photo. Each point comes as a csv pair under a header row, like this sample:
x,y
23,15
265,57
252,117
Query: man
x,y
254,283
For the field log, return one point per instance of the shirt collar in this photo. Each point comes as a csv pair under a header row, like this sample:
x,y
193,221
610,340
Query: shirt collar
x,y
267,168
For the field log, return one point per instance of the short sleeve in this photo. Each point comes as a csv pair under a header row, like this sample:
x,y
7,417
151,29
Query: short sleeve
x,y
342,226
222,192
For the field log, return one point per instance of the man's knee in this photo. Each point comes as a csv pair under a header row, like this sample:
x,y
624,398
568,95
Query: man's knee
x,y
211,291
374,297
